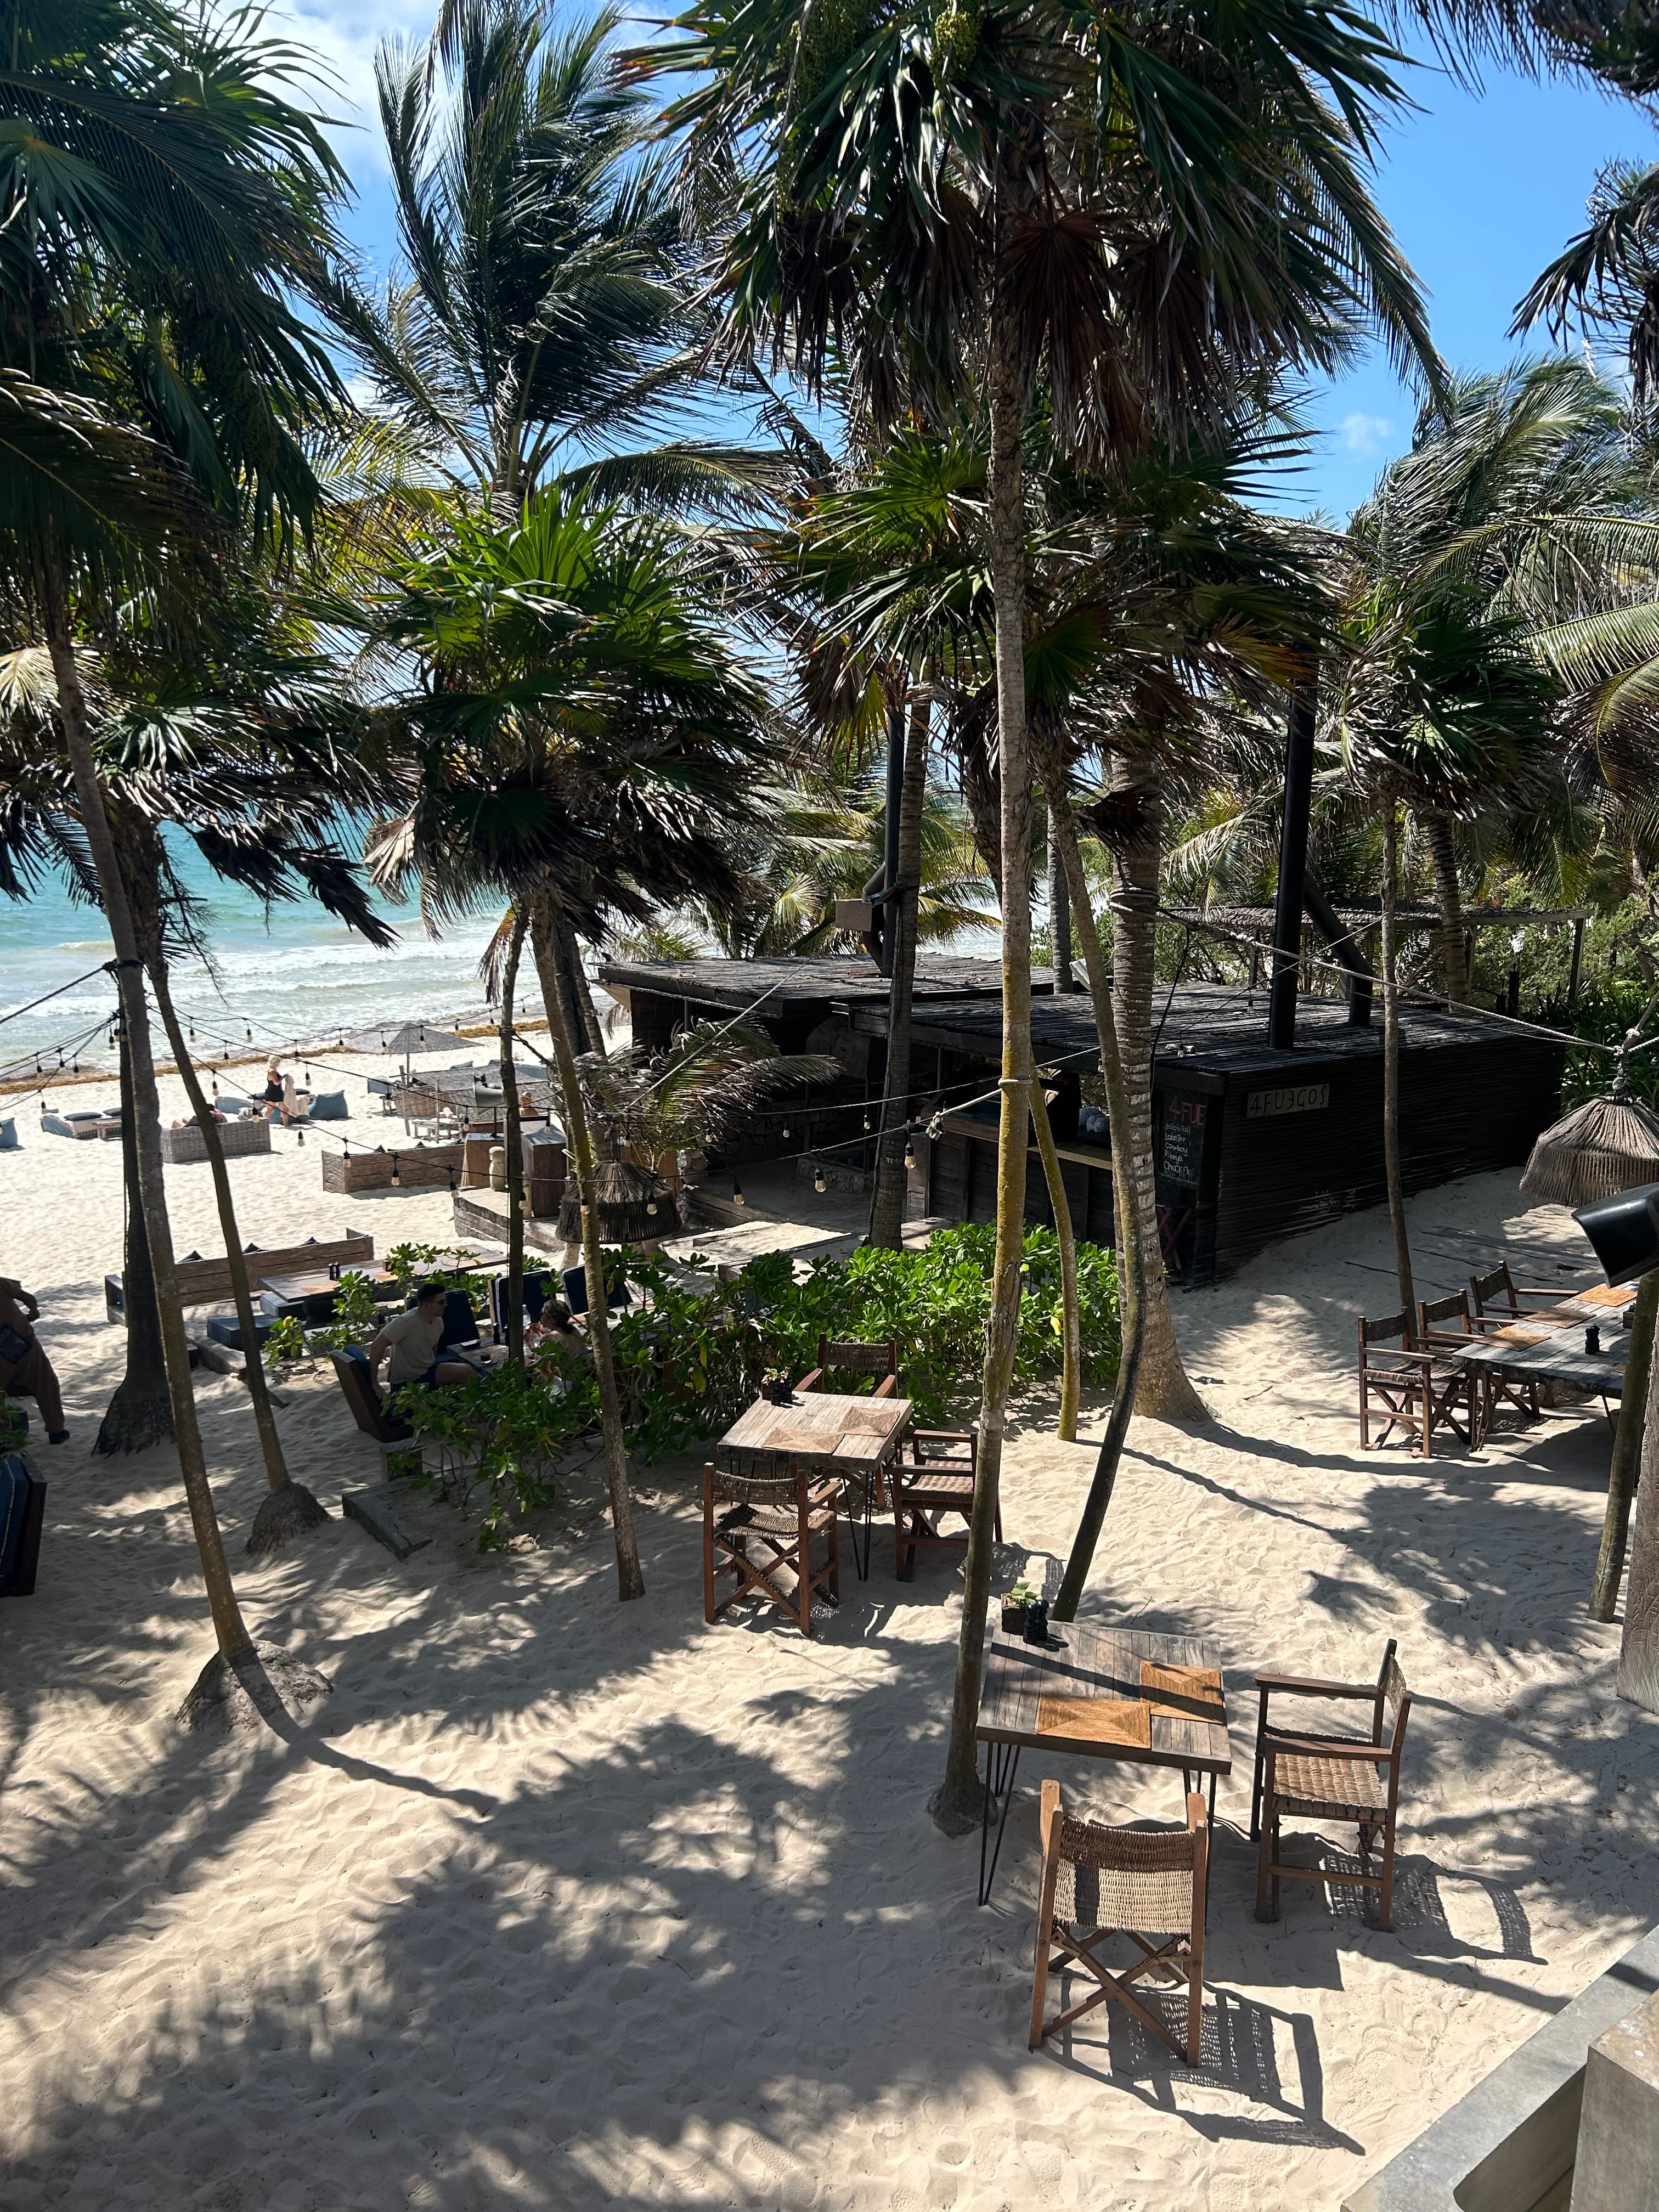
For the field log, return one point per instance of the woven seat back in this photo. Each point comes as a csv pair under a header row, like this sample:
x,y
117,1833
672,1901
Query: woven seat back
x,y
836,1358
747,1477
1391,1329
1490,1289
1396,1695
1121,1878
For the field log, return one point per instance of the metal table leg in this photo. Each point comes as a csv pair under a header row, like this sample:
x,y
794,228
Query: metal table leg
x,y
1001,1764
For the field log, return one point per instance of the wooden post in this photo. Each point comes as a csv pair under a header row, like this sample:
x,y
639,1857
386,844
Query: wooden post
x,y
1578,960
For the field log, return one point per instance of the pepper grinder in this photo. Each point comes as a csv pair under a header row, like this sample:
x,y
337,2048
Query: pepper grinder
x,y
1592,1338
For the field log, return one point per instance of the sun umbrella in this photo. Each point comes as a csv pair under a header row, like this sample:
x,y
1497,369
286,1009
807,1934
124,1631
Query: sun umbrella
x,y
406,1040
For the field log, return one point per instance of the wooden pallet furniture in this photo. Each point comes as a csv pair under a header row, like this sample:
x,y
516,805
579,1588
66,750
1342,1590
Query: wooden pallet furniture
x,y
420,1167
207,1282
187,1147
760,1521
1098,1883
1118,1693
1320,1776
1419,1390
938,1478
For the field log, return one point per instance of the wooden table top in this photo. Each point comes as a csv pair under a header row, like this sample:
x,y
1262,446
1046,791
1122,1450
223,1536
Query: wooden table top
x,y
1083,1663
315,1286
853,1432
1548,1344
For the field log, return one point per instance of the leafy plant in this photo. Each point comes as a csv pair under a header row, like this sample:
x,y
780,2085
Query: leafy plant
x,y
500,1434
285,1341
355,1315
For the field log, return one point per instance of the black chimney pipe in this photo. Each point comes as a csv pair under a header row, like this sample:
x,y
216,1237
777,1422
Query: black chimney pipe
x,y
889,915
1292,862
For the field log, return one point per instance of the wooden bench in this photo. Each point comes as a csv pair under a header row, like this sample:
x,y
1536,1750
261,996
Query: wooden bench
x,y
207,1282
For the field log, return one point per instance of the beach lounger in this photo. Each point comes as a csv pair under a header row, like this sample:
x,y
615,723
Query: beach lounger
x,y
83,1126
1330,1777
1098,1883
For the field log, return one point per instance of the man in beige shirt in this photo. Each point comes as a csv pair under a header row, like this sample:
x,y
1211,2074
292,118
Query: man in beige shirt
x,y
408,1343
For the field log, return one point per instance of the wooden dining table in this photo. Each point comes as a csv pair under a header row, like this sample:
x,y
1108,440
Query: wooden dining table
x,y
844,1438
1124,1694
1547,1345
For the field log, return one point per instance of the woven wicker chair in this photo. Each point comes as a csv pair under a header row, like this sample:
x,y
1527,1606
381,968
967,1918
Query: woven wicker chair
x,y
1419,1389
769,1501
1330,1777
836,1359
1098,1883
938,1478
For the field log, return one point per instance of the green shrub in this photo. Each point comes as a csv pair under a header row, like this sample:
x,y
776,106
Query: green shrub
x,y
285,1340
687,1364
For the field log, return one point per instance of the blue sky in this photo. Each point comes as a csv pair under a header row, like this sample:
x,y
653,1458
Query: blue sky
x,y
1481,189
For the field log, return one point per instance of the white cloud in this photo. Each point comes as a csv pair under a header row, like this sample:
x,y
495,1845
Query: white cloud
x,y
1363,434
341,40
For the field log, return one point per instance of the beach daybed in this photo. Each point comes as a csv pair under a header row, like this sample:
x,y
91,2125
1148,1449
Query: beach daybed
x,y
187,1147
85,1124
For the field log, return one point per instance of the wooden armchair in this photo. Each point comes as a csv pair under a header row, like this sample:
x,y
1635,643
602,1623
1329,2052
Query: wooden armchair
x,y
782,1513
1419,1389
836,1359
1330,1777
938,1478
1496,1300
395,1438
1098,1883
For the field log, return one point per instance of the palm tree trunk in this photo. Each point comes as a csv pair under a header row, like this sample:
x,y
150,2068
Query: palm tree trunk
x,y
1626,1449
544,944
1448,896
585,1022
235,1644
1060,920
1163,1391
956,1804
1071,1326
1637,1678
289,1509
1402,1250
887,1203
513,1144
1132,1304
140,1414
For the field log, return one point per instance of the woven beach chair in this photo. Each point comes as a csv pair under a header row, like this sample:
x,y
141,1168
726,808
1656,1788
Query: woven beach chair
x,y
1418,1390
938,1478
1098,1883
1330,1777
762,1513
837,1359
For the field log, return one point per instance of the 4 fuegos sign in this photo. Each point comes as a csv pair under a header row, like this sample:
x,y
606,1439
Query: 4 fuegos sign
x,y
1291,1098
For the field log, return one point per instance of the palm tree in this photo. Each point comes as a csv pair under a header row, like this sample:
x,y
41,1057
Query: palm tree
x,y
579,742
157,373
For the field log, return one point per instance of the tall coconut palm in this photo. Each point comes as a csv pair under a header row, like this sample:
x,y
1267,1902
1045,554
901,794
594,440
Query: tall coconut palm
x,y
163,207
580,740
1130,212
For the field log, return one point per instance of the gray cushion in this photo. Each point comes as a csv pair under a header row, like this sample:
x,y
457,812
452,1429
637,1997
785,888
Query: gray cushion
x,y
330,1106
9,1137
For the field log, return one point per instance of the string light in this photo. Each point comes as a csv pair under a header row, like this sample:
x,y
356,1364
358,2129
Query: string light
x,y
397,1176
650,1206
738,1198
820,1181
910,1152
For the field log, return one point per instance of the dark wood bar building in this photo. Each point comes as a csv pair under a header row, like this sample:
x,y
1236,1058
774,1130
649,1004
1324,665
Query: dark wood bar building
x,y
1251,1142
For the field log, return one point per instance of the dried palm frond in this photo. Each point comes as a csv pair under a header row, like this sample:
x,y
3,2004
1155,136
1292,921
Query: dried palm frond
x,y
635,1206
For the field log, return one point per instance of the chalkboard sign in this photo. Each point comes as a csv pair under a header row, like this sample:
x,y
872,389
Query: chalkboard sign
x,y
1183,1138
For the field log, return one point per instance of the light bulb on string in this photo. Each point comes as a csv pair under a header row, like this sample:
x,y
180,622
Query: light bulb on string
x,y
397,1176
250,1033
866,1121
820,1181
650,1206
738,1198
191,1033
910,1152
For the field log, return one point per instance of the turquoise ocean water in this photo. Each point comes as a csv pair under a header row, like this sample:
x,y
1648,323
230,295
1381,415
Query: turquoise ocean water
x,y
294,976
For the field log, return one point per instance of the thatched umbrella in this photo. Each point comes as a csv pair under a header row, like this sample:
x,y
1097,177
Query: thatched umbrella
x,y
1601,1148
635,1206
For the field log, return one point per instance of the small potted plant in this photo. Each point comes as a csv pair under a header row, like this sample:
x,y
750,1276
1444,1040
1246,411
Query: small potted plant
x,y
1013,1607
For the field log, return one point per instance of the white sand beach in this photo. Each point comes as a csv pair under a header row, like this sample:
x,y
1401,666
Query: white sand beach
x,y
560,1902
